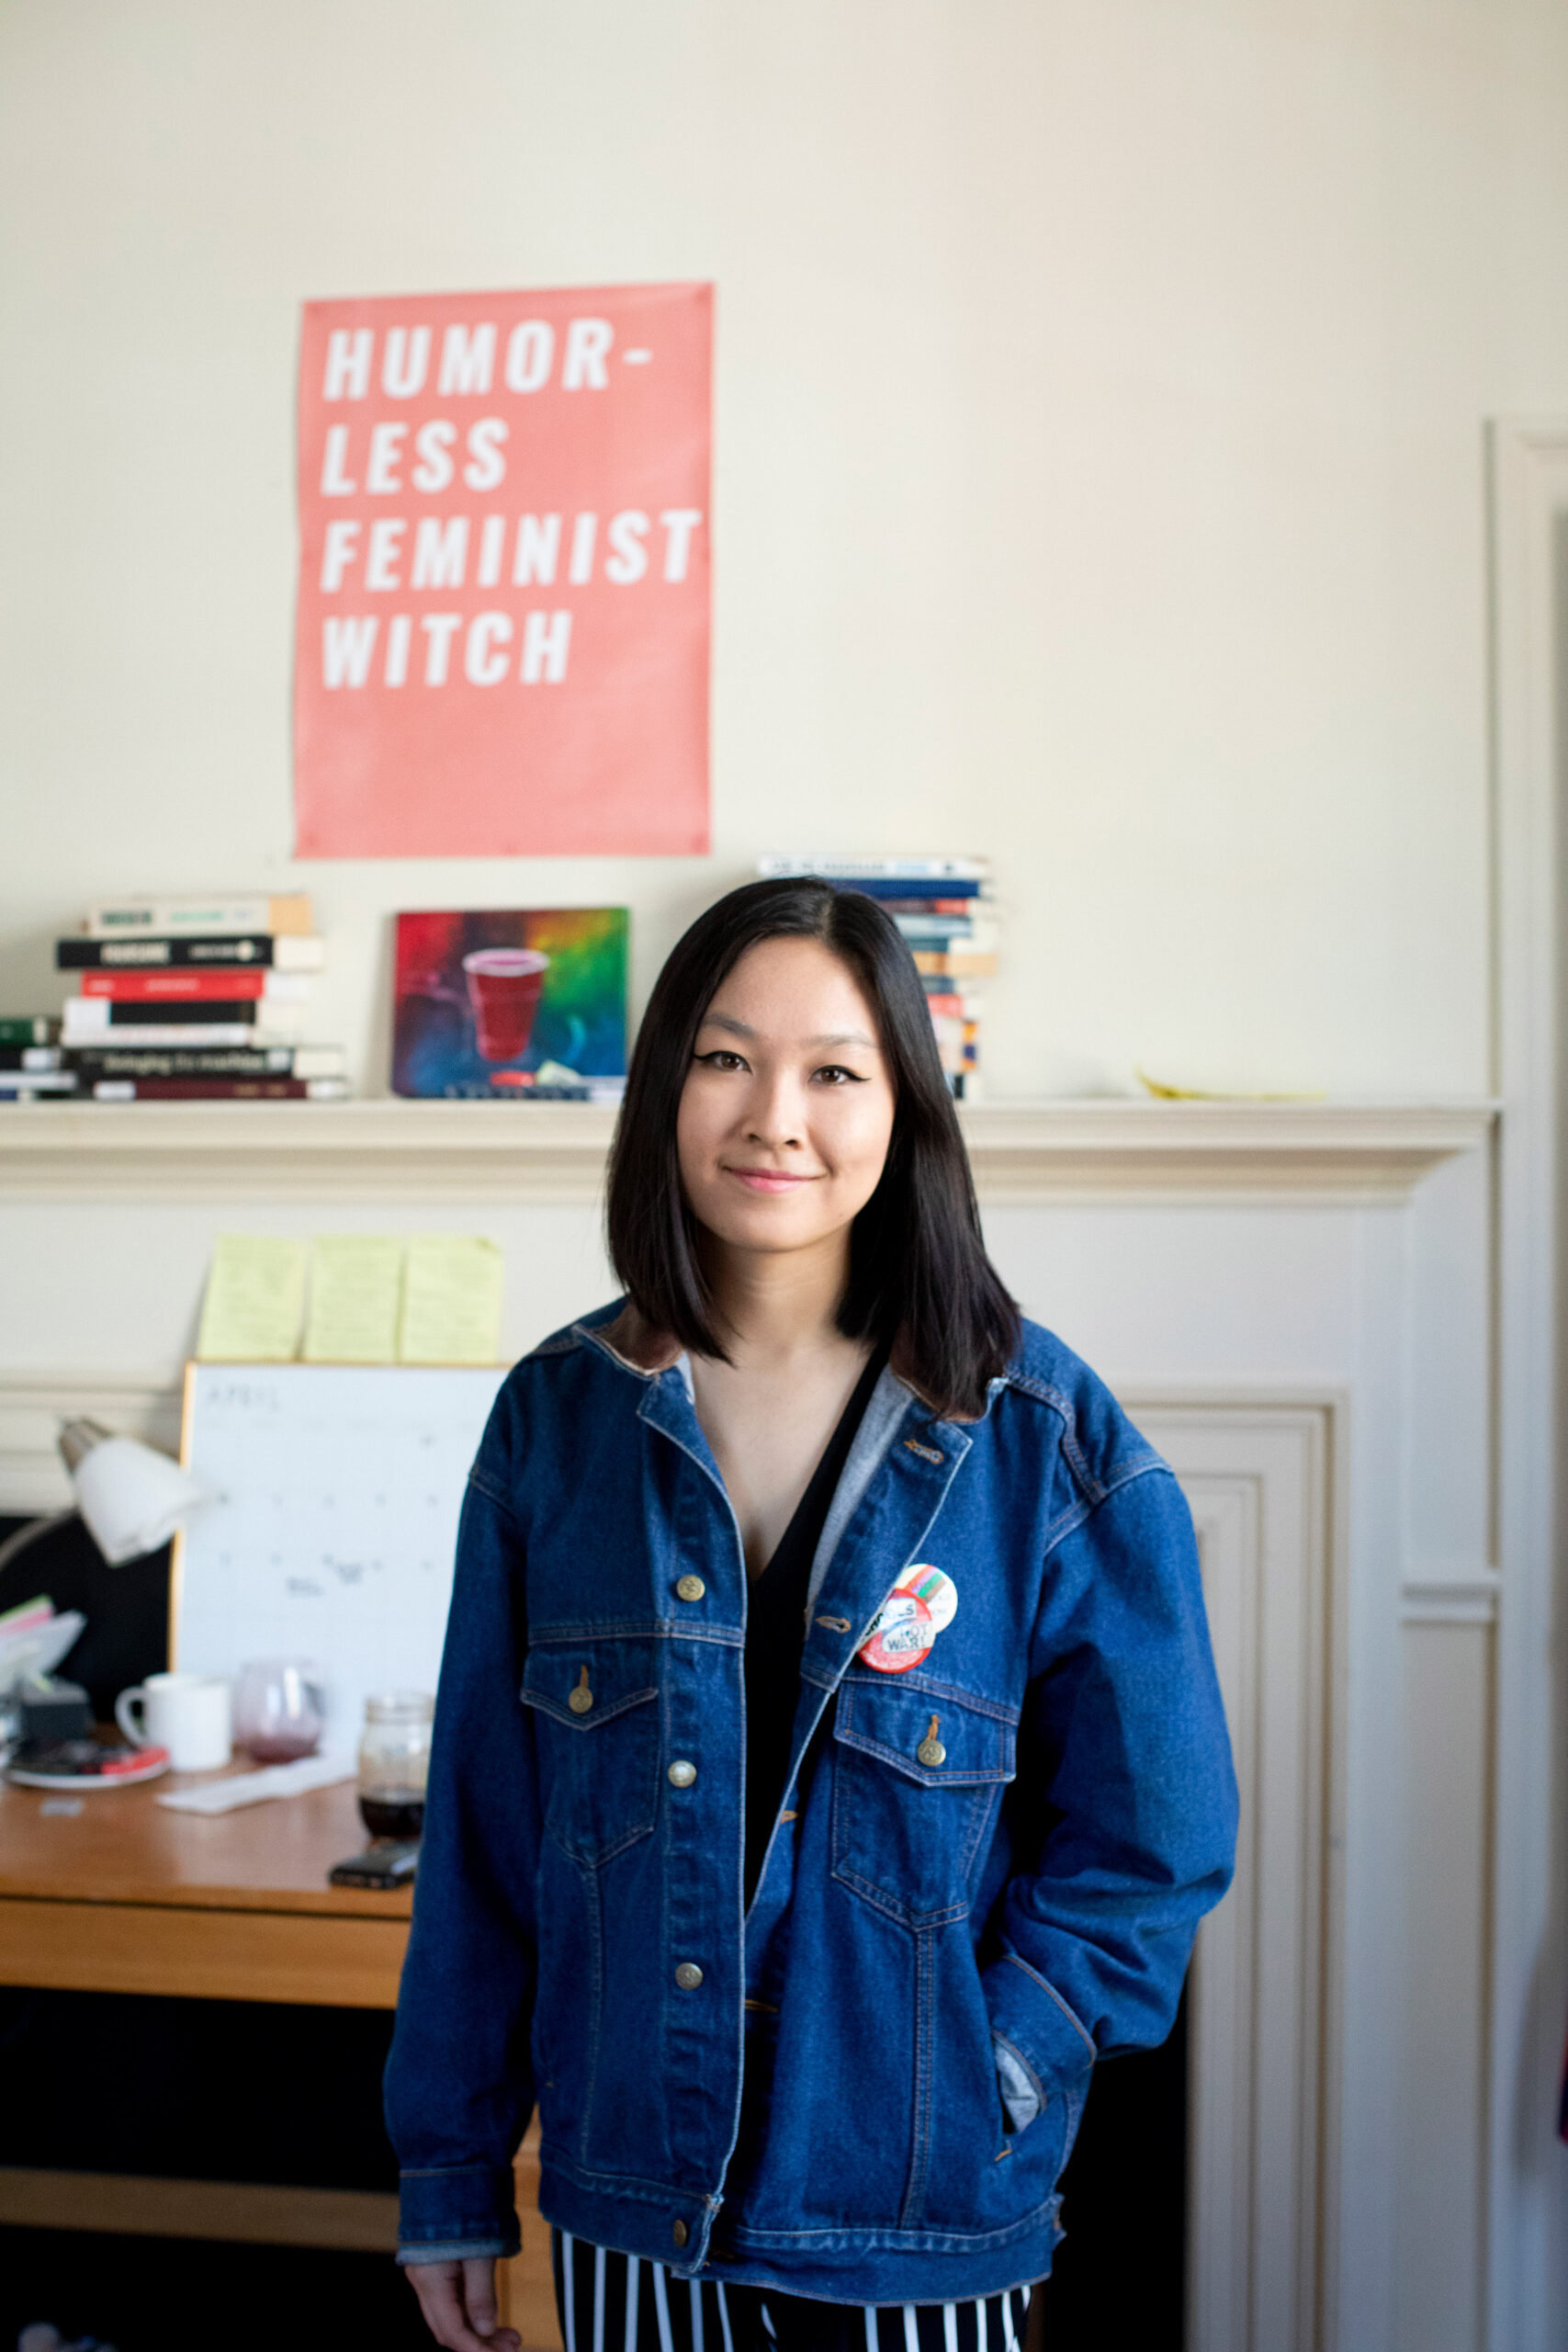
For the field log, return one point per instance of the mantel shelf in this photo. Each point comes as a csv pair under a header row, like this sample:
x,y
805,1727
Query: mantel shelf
x,y
1343,1153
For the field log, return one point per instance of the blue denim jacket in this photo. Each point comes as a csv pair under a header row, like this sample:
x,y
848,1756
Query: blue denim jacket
x,y
865,2089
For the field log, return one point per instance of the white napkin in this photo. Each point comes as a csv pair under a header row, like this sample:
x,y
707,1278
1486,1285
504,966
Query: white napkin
x,y
295,1780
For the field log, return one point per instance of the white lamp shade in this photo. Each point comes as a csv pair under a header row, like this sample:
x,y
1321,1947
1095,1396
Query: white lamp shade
x,y
131,1497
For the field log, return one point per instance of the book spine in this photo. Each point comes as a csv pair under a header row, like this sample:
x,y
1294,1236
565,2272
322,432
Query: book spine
x,y
862,871
175,987
978,930
960,962
945,906
29,1057
114,918
21,1084
91,1063
95,1014
255,949
202,1035
28,1029
219,1089
921,890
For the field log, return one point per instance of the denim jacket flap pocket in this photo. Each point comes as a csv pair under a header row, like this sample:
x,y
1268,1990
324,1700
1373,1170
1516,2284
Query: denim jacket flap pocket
x,y
917,1774
598,1743
905,1726
587,1684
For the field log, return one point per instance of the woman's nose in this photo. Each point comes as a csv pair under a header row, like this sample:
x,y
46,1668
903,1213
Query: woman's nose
x,y
774,1115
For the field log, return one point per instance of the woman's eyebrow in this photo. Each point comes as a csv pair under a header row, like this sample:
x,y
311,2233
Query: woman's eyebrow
x,y
739,1029
833,1037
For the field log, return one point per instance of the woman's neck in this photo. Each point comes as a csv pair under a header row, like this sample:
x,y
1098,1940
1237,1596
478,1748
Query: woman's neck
x,y
769,1410
775,1306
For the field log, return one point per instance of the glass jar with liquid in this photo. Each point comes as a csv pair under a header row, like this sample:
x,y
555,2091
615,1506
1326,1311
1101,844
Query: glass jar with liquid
x,y
394,1753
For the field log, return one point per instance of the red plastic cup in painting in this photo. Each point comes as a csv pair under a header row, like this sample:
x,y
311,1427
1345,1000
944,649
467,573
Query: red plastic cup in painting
x,y
504,987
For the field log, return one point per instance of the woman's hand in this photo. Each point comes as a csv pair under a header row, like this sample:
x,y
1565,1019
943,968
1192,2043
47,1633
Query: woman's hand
x,y
457,2300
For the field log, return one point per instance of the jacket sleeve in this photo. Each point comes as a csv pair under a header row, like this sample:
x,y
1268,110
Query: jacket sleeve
x,y
1124,1708
458,2083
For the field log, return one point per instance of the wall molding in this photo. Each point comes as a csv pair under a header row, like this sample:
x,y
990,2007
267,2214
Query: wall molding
x,y
1451,1601
1263,2131
1528,2218
1352,1154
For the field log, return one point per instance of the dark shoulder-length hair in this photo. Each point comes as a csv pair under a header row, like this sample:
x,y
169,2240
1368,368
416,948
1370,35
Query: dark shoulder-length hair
x,y
919,1280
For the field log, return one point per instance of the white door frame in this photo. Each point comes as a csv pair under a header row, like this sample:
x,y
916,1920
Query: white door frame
x,y
1527,2169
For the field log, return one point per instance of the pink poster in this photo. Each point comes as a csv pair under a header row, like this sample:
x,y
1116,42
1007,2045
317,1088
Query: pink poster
x,y
502,641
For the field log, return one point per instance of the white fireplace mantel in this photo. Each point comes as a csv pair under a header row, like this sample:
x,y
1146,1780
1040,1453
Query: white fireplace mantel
x,y
1292,1153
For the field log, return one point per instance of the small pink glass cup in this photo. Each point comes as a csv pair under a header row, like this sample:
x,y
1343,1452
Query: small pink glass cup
x,y
279,1713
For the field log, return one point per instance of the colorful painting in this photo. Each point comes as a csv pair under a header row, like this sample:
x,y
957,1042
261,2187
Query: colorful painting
x,y
511,1004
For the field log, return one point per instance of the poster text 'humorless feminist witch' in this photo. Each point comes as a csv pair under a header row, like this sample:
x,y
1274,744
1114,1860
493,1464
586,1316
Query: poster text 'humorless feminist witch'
x,y
502,642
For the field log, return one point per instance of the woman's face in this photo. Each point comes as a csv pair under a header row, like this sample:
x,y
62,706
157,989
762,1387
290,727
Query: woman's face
x,y
788,1109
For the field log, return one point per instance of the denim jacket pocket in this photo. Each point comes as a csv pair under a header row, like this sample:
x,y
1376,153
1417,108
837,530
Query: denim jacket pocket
x,y
598,1743
917,1771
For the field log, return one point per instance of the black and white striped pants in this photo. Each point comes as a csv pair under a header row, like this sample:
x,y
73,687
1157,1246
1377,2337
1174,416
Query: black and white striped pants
x,y
617,2303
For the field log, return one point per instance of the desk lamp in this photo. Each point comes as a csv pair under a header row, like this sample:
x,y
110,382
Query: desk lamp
x,y
131,1497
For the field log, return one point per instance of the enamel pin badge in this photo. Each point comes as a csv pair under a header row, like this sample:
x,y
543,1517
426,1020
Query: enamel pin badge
x,y
921,1602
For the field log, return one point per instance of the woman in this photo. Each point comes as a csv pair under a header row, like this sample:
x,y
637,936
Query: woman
x,y
829,1762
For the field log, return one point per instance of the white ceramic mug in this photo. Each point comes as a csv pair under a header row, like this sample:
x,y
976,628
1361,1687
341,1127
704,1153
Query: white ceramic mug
x,y
187,1714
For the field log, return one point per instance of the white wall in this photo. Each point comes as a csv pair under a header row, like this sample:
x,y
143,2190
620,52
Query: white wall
x,y
1099,392
1101,387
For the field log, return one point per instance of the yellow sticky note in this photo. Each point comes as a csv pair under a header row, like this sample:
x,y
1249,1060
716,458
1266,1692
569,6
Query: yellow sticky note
x,y
255,1299
356,1282
451,1291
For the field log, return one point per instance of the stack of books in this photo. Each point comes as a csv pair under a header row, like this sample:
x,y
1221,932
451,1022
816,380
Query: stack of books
x,y
943,907
30,1061
195,1000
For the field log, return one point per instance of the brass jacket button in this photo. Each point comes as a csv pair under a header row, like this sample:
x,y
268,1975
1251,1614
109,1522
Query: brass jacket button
x,y
680,2233
690,1589
581,1699
682,1774
688,1977
930,1750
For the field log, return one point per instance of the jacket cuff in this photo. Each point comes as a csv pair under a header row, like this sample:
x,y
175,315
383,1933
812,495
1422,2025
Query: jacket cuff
x,y
460,2250
1030,2017
457,2209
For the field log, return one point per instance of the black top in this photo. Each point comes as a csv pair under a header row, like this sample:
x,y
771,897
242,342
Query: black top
x,y
775,1631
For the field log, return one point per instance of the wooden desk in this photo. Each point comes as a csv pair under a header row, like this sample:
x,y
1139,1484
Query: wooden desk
x,y
125,1896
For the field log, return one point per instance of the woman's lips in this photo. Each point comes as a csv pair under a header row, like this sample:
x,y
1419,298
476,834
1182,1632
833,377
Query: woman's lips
x,y
767,1180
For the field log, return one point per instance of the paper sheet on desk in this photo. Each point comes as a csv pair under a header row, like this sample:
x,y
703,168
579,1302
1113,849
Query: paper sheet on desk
x,y
254,1787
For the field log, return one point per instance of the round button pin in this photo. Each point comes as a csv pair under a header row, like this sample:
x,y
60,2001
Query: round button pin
x,y
901,1636
680,1774
688,1977
689,1589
